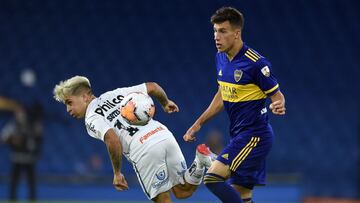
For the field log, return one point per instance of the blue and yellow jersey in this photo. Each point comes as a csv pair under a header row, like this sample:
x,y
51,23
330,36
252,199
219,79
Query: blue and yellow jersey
x,y
245,83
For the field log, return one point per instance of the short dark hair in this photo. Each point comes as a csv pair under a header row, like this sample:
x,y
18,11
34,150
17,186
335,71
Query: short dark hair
x,y
230,14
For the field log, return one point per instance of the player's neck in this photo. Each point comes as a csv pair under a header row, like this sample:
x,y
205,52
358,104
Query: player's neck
x,y
92,98
89,100
234,50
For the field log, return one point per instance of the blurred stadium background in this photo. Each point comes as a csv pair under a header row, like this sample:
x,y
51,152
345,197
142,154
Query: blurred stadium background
x,y
313,46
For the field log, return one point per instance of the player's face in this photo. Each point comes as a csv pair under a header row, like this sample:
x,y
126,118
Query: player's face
x,y
225,36
76,105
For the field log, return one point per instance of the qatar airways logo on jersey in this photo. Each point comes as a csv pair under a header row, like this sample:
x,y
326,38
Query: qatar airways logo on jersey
x,y
108,104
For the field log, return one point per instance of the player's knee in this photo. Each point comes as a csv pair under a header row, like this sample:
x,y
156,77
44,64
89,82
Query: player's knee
x,y
213,181
217,185
182,194
211,178
245,190
162,198
219,169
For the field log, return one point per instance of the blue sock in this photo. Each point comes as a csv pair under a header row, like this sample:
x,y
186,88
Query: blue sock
x,y
217,185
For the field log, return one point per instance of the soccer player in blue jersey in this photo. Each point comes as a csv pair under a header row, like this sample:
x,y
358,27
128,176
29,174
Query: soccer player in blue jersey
x,y
245,81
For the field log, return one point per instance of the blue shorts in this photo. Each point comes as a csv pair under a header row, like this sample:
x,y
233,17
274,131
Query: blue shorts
x,y
245,155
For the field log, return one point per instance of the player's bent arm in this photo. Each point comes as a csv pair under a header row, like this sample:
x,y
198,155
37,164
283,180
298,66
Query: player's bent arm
x,y
213,109
114,148
278,103
155,90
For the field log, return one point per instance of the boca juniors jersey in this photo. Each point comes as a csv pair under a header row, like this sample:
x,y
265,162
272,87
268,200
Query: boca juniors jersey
x,y
245,82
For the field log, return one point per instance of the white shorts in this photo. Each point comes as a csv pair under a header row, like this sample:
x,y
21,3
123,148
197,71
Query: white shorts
x,y
161,167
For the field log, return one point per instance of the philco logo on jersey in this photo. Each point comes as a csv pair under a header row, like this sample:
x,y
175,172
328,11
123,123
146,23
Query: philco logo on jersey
x,y
237,75
107,105
265,71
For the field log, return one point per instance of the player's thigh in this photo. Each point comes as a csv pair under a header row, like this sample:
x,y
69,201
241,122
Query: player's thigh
x,y
176,164
182,191
153,158
152,172
175,160
247,158
220,169
163,197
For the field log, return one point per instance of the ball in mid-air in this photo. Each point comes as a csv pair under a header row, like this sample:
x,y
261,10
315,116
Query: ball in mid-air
x,y
137,108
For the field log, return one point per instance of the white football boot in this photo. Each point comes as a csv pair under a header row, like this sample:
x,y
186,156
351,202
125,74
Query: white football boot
x,y
204,157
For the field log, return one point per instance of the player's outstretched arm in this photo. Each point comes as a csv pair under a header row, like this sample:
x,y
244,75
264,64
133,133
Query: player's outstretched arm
x,y
278,103
214,108
114,148
158,92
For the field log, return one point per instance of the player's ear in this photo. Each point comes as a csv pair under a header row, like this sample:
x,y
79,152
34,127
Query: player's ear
x,y
85,96
238,33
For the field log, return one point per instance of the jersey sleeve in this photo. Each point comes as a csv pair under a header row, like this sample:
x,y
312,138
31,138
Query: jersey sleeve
x,y
97,127
127,90
265,78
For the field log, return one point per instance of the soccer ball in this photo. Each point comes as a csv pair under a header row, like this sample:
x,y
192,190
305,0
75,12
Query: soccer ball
x,y
137,108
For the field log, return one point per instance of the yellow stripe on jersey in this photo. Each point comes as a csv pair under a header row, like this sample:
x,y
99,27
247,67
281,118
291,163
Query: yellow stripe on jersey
x,y
253,52
244,153
272,89
252,55
240,93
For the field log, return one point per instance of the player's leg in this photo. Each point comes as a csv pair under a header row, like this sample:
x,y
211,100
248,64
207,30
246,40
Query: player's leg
x,y
246,193
163,197
215,181
203,159
244,184
152,171
177,169
183,191
195,173
249,168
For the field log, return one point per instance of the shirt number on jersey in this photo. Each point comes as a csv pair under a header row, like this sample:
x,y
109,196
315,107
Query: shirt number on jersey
x,y
131,130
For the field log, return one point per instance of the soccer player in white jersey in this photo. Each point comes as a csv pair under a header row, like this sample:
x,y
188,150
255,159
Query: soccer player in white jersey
x,y
152,149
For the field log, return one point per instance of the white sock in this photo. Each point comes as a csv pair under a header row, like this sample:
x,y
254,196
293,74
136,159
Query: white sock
x,y
194,174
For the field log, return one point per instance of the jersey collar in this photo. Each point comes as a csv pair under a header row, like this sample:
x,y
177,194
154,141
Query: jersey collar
x,y
239,54
242,51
